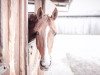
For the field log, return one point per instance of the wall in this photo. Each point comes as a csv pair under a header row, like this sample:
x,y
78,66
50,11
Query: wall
x,y
78,25
82,7
82,17
0,36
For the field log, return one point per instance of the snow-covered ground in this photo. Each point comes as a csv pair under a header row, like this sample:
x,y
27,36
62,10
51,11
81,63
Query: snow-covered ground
x,y
76,54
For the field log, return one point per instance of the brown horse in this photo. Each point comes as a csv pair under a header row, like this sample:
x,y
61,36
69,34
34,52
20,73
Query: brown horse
x,y
42,28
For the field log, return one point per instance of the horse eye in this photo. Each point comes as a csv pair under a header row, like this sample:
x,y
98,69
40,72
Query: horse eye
x,y
55,34
36,33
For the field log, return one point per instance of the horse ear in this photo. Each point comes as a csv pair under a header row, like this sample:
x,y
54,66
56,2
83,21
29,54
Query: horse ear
x,y
39,13
54,14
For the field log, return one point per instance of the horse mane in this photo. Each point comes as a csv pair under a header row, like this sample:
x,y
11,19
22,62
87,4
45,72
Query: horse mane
x,y
32,20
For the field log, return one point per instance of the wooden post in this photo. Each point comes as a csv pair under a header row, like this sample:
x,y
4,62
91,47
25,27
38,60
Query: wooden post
x,y
43,5
0,36
38,3
14,35
23,36
4,35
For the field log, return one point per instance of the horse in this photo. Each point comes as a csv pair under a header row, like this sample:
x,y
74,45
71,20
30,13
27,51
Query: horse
x,y
43,29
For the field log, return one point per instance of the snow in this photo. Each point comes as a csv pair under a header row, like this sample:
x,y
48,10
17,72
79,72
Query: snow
x,y
80,54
